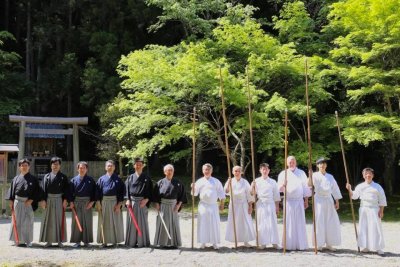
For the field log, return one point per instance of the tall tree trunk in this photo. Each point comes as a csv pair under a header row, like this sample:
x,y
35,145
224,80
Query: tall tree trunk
x,y
28,41
38,78
6,14
389,157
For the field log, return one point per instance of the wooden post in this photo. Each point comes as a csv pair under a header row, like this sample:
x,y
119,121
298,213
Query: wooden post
x,y
75,143
193,168
3,190
21,143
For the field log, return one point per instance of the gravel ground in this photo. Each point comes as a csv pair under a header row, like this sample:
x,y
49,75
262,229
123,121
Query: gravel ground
x,y
227,256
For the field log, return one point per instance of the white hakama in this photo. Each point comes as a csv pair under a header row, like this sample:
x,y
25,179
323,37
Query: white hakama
x,y
370,235
326,217
244,223
208,220
297,190
267,194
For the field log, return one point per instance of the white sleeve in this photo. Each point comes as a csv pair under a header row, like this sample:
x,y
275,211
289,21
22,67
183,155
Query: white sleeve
x,y
276,195
220,190
357,192
226,187
335,190
381,198
249,197
197,186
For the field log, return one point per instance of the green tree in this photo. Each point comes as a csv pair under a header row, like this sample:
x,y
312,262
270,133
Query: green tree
x,y
162,84
367,48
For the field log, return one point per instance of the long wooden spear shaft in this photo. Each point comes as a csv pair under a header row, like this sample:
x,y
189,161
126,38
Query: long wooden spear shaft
x,y
347,175
193,169
228,161
310,172
252,152
285,183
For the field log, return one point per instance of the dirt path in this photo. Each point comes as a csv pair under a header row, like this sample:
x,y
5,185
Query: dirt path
x,y
94,256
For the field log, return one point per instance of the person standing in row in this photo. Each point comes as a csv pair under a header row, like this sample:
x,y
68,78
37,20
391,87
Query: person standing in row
x,y
208,221
169,195
55,186
243,204
139,189
373,202
110,193
326,217
24,194
268,198
83,196
298,193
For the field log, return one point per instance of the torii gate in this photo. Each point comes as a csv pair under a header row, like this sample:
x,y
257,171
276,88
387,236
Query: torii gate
x,y
74,131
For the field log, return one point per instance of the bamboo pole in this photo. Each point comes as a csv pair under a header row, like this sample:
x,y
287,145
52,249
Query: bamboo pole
x,y
285,183
252,152
310,172
193,169
228,161
347,176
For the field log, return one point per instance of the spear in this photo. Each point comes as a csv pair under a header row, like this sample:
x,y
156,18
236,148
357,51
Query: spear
x,y
252,152
347,176
227,152
309,159
193,169
285,183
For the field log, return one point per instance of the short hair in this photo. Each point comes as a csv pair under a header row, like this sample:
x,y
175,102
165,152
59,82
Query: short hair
x,y
169,166
290,158
208,166
82,163
236,167
55,159
110,161
138,159
24,160
368,169
264,165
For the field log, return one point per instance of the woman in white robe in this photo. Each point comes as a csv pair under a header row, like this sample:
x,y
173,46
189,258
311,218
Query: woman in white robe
x,y
210,191
267,208
326,217
243,208
297,196
373,202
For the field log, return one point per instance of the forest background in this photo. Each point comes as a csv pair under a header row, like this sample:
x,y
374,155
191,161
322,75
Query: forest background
x,y
137,68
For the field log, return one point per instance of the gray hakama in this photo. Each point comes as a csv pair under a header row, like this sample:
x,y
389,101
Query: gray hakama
x,y
86,220
141,214
52,222
25,219
113,226
171,220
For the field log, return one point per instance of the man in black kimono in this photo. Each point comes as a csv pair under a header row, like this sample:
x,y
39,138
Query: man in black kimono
x,y
23,195
169,195
139,189
55,188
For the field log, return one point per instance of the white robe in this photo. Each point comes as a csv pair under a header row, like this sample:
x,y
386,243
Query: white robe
x,y
244,223
326,217
208,220
267,194
297,189
370,233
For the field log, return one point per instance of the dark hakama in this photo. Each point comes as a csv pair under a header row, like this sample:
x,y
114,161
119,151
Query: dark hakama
x,y
110,191
137,189
83,191
23,188
55,189
168,194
